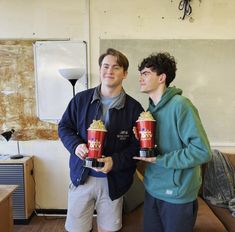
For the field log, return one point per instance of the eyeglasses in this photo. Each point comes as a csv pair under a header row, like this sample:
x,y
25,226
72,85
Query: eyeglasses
x,y
146,74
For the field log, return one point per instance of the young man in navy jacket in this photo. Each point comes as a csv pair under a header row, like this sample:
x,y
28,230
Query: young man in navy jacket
x,y
101,189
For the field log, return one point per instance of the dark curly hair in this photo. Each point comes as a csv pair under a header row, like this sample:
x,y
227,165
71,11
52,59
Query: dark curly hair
x,y
160,63
121,58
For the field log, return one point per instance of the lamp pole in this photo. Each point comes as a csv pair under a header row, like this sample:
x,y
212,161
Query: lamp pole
x,y
73,82
18,147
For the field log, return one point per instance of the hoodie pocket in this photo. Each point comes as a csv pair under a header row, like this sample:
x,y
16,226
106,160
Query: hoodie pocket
x,y
161,181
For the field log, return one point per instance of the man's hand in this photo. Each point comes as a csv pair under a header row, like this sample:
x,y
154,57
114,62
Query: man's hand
x,y
135,131
81,151
108,165
146,159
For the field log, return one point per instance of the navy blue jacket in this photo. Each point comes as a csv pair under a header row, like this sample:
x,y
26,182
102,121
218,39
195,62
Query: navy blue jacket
x,y
120,142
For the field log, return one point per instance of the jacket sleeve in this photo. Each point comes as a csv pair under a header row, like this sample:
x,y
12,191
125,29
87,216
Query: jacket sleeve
x,y
67,128
195,148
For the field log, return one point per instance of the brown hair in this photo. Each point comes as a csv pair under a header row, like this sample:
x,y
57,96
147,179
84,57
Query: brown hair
x,y
121,58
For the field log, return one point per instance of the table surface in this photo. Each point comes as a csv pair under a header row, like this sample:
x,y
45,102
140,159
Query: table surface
x,y
8,160
5,191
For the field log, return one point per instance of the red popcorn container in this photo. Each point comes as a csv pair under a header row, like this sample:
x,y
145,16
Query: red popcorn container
x,y
95,143
146,132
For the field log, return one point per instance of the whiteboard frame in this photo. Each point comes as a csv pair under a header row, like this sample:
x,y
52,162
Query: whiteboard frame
x,y
53,92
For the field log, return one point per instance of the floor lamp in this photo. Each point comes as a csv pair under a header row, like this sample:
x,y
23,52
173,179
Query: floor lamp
x,y
7,136
72,75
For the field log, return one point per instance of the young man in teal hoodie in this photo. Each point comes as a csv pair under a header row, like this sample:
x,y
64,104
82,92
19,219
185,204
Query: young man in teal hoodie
x,y
173,178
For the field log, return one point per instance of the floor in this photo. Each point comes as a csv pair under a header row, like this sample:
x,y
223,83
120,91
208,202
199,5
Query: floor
x,y
131,223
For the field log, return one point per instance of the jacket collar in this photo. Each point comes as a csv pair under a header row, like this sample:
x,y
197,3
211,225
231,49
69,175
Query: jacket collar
x,y
119,104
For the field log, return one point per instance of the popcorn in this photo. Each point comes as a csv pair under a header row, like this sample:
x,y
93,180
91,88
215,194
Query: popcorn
x,y
97,125
146,116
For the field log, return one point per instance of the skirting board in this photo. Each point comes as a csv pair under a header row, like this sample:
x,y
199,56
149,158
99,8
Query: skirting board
x,y
53,212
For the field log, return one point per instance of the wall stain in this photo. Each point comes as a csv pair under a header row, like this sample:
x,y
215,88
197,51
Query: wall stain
x,y
17,93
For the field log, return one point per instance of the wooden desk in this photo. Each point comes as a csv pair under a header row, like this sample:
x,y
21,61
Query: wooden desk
x,y
6,219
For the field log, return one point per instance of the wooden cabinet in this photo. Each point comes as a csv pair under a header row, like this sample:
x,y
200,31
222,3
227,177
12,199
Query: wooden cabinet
x,y
20,172
6,222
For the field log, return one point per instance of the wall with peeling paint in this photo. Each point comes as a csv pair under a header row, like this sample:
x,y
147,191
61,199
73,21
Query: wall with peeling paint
x,y
17,93
88,20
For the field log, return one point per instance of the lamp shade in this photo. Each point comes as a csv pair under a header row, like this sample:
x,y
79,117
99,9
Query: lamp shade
x,y
7,135
71,73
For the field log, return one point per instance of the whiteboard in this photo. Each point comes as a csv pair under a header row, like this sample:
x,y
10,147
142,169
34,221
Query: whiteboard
x,y
53,91
205,73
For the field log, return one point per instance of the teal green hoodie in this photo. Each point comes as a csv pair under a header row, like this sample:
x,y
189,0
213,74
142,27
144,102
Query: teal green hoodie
x,y
176,175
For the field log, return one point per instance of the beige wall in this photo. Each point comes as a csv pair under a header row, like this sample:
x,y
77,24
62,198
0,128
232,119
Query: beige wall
x,y
91,21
